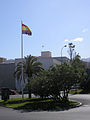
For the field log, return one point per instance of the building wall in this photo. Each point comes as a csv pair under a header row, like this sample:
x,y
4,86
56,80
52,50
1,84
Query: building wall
x,y
46,62
46,54
62,59
7,75
2,60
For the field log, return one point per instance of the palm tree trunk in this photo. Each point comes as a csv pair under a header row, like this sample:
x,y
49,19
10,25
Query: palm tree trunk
x,y
29,91
29,94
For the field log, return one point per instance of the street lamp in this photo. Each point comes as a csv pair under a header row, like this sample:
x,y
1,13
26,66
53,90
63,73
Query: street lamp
x,y
61,51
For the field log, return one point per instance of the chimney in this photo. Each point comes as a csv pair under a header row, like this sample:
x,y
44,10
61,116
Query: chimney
x,y
46,54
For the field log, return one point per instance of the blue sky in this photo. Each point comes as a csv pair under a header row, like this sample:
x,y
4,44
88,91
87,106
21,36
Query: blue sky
x,y
53,23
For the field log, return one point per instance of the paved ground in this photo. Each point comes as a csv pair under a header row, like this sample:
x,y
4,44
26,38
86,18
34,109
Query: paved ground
x,y
19,96
84,99
80,113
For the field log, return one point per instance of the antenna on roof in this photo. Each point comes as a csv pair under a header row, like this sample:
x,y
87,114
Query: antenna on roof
x,y
42,47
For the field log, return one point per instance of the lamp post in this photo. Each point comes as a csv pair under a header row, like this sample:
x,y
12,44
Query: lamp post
x,y
61,52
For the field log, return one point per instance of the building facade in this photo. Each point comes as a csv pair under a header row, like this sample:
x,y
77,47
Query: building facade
x,y
7,78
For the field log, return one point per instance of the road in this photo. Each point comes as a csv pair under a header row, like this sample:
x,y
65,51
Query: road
x,y
84,99
79,113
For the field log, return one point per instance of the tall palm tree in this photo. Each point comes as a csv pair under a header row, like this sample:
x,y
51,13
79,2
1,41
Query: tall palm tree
x,y
31,67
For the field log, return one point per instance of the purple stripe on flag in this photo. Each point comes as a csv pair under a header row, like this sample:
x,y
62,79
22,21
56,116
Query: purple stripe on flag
x,y
26,32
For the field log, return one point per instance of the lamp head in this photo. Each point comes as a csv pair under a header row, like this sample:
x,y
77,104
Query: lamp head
x,y
65,45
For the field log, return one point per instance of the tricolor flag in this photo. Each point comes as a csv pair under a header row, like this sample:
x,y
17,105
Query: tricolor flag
x,y
26,30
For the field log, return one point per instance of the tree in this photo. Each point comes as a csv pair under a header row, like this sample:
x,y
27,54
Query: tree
x,y
46,84
86,84
40,84
71,50
55,82
61,80
57,79
79,70
64,75
67,76
31,68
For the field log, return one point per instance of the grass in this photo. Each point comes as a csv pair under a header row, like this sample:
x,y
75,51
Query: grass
x,y
75,91
37,104
16,105
73,103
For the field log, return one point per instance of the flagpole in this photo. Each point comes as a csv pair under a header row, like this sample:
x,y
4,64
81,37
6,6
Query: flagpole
x,y
22,60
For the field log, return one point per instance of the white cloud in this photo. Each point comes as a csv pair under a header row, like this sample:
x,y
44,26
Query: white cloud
x,y
80,39
84,30
66,40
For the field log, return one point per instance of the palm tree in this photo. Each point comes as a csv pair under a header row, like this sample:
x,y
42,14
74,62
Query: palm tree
x,y
31,68
18,70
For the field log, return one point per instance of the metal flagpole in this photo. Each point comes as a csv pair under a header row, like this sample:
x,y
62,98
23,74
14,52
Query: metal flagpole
x,y
22,60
